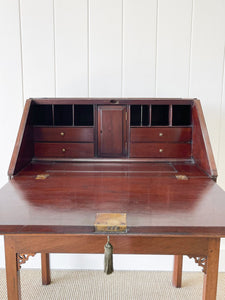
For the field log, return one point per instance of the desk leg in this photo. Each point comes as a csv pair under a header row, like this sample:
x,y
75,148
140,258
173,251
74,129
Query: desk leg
x,y
12,272
210,278
45,269
177,271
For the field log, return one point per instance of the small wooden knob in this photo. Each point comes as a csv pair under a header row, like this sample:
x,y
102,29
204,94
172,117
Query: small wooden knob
x,y
160,150
63,150
62,133
160,134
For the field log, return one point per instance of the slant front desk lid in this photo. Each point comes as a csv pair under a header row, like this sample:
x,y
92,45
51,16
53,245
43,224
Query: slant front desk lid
x,y
154,202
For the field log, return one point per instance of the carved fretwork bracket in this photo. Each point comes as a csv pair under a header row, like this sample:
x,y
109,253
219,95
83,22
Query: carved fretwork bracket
x,y
201,261
22,259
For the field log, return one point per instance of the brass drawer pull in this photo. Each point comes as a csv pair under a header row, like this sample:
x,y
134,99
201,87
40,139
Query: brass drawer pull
x,y
62,133
63,150
160,150
160,134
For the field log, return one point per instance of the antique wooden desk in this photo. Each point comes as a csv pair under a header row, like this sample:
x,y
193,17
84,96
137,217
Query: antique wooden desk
x,y
147,158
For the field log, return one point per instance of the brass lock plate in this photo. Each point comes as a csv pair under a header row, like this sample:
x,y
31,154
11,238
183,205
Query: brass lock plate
x,y
111,222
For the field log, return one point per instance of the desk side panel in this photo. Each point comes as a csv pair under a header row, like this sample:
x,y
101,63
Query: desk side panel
x,y
202,150
23,149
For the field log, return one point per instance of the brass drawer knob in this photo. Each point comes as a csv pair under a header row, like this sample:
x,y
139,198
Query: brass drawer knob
x,y
63,150
62,133
160,150
160,134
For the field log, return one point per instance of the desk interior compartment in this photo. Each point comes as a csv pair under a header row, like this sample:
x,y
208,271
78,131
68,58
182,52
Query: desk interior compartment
x,y
63,115
139,115
83,115
181,115
42,115
160,115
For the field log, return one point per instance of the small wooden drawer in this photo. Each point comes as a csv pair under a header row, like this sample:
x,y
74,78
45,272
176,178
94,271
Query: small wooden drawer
x,y
66,150
63,134
181,134
156,150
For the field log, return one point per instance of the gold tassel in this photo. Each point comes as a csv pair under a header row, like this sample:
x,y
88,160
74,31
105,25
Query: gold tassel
x,y
108,259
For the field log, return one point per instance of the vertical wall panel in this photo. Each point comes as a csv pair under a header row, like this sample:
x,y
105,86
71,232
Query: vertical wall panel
x,y
139,48
221,156
10,89
173,47
10,82
38,47
71,48
105,48
207,61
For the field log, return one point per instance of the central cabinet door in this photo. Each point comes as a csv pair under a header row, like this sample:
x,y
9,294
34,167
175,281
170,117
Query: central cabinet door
x,y
112,131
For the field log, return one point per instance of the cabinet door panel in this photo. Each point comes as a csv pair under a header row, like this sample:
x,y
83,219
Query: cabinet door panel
x,y
111,131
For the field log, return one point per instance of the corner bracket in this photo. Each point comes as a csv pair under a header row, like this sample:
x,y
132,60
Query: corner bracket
x,y
201,261
22,259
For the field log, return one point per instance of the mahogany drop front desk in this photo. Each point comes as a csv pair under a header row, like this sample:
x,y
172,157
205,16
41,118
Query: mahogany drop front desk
x,y
149,160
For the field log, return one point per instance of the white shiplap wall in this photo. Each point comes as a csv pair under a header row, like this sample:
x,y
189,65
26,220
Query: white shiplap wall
x,y
112,48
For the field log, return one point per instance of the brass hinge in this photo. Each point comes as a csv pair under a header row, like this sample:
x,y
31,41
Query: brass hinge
x,y
126,116
181,177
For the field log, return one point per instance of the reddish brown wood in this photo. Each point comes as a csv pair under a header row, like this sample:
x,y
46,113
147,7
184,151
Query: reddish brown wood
x,y
12,273
45,268
178,150
23,149
68,200
177,271
122,243
164,215
111,131
202,151
108,101
63,134
210,278
64,150
161,134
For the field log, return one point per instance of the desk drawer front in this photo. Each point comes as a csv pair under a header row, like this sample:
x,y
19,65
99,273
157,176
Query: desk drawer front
x,y
63,134
66,150
157,150
161,134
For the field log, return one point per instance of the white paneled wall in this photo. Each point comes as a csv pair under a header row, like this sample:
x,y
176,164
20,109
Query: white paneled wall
x,y
71,47
207,63
105,48
37,46
173,48
139,48
11,84
112,48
